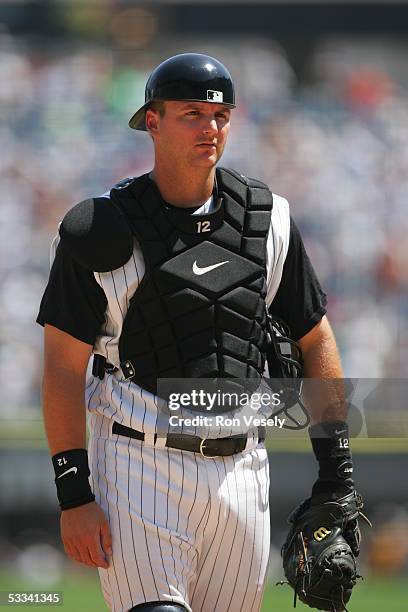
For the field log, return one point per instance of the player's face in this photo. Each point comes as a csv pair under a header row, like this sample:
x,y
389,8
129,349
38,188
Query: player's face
x,y
193,133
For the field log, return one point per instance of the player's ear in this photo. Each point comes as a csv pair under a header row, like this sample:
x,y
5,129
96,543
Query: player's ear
x,y
152,120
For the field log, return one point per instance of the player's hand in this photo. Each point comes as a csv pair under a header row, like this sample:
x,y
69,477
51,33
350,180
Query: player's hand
x,y
86,535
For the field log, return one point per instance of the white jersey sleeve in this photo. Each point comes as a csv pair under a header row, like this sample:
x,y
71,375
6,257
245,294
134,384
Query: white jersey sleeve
x,y
53,247
277,245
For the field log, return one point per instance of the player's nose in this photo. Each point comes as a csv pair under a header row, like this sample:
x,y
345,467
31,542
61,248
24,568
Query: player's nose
x,y
210,125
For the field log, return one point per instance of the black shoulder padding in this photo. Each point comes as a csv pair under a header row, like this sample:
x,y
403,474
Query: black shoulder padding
x,y
249,182
250,190
97,235
252,182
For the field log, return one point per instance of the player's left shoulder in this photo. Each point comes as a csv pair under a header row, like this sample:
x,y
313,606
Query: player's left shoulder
x,y
255,183
248,181
281,205
280,226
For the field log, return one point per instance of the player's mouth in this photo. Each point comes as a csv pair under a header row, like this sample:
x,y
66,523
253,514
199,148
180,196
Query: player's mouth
x,y
210,146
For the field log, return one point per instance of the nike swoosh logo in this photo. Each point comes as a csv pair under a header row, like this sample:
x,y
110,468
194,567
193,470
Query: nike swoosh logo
x,y
197,270
73,469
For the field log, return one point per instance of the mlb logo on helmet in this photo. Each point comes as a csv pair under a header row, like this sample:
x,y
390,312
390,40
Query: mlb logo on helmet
x,y
214,96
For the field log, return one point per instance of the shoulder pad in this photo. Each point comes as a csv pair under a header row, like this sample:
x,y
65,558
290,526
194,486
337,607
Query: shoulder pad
x,y
247,191
250,182
96,234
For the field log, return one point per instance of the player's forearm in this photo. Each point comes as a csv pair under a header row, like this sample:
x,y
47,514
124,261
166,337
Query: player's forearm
x,y
323,388
64,409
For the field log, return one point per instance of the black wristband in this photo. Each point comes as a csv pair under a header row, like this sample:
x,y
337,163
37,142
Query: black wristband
x,y
71,478
331,446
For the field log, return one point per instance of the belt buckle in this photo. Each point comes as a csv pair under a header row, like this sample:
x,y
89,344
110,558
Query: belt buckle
x,y
202,448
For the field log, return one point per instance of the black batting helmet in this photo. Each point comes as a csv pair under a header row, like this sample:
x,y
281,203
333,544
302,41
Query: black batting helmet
x,y
188,76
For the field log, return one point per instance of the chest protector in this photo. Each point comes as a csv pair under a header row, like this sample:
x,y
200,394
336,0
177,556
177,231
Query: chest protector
x,y
199,311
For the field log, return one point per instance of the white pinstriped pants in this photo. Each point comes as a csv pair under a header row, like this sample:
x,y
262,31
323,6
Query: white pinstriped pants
x,y
186,529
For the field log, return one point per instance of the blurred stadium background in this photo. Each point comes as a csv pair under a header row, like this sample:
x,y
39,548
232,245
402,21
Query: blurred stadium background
x,y
322,117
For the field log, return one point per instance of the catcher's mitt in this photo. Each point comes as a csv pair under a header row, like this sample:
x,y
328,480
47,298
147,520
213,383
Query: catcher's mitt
x,y
318,561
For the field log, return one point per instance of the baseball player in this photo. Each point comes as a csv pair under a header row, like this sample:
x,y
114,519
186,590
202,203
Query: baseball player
x,y
171,275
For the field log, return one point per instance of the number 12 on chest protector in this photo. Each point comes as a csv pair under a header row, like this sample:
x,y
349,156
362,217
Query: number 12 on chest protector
x,y
203,226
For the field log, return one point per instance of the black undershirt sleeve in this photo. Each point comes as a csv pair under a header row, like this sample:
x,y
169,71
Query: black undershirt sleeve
x,y
73,301
300,300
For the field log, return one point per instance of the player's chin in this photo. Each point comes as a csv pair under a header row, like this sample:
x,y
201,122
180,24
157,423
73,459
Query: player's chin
x,y
206,157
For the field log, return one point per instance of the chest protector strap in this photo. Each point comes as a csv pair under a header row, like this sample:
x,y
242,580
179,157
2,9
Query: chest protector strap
x,y
199,311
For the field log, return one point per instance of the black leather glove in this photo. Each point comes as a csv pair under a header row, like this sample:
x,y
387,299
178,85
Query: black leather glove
x,y
318,561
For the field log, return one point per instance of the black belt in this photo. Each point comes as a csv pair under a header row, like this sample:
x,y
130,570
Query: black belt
x,y
218,447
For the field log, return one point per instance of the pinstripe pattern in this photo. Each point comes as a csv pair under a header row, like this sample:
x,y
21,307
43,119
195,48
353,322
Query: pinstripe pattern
x,y
242,501
184,528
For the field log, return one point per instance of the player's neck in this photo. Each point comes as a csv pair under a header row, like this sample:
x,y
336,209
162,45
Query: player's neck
x,y
179,190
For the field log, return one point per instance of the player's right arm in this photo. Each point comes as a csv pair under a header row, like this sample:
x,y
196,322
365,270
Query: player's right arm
x,y
65,364
84,529
72,311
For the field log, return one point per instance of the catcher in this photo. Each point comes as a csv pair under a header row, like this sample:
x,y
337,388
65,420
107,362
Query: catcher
x,y
170,274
